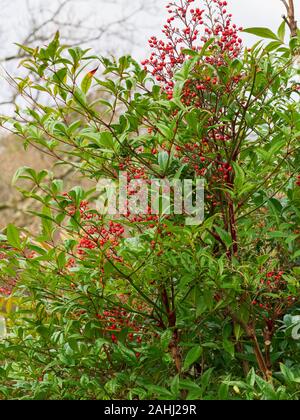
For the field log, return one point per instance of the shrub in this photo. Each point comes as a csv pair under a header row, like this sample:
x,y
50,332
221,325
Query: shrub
x,y
146,306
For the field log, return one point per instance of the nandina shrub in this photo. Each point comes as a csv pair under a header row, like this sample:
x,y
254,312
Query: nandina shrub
x,y
146,306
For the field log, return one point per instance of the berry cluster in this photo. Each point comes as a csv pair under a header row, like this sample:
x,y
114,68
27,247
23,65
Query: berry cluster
x,y
6,289
72,209
95,235
2,255
117,320
298,181
269,297
136,173
100,237
198,158
6,285
187,28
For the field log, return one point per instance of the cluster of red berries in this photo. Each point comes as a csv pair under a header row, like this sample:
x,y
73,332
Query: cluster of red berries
x,y
7,285
100,237
7,288
2,255
136,173
298,181
187,29
269,295
217,171
72,208
190,26
114,321
133,171
95,234
194,154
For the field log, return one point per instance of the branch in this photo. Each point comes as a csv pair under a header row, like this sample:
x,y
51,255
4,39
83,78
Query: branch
x,y
290,19
79,30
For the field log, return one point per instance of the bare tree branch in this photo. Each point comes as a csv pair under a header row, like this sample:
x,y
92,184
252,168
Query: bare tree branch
x,y
290,19
79,29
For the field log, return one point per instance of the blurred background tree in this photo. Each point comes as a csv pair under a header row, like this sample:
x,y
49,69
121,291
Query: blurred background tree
x,y
105,26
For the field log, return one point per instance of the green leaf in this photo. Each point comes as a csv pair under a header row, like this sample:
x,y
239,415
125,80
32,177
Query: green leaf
x,y
287,373
61,260
175,386
77,194
163,160
184,72
25,48
273,45
47,223
178,90
104,140
224,235
13,236
239,178
192,356
80,98
107,140
86,83
228,347
165,130
238,331
60,76
266,388
24,173
281,31
205,378
223,391
236,65
53,47
77,54
206,46
166,338
261,32
160,391
190,52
